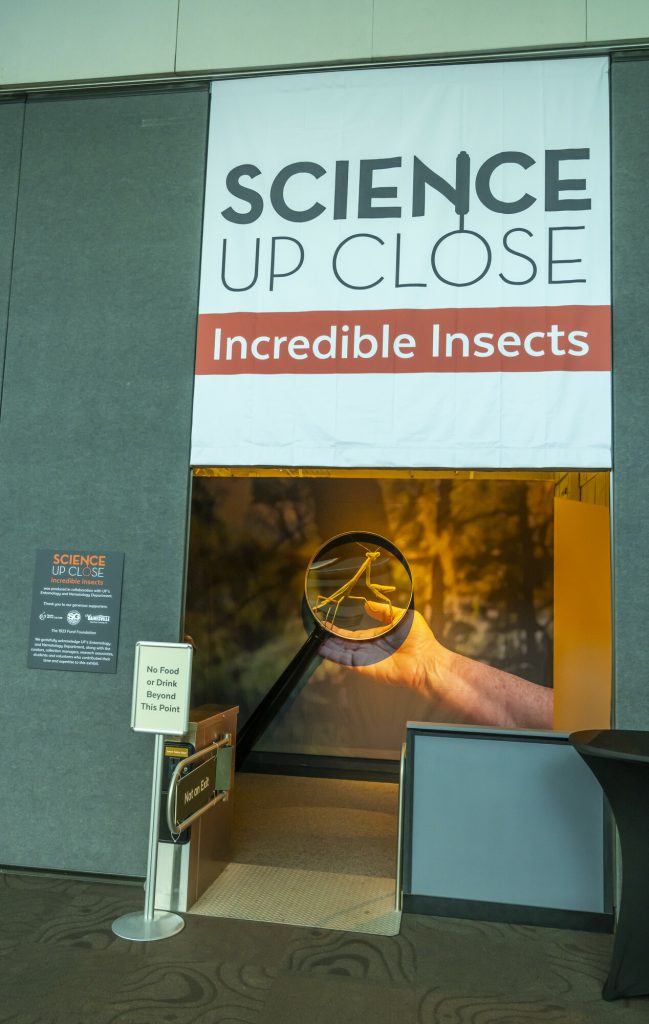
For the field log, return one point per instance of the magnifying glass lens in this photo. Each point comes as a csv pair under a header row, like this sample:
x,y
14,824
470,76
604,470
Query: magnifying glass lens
x,y
344,575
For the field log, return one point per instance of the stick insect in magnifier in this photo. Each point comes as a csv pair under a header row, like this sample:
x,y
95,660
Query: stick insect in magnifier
x,y
379,590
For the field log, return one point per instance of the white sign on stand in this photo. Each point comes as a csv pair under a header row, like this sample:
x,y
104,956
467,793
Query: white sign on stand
x,y
161,686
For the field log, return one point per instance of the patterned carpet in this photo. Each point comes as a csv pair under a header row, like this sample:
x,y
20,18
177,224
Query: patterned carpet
x,y
61,964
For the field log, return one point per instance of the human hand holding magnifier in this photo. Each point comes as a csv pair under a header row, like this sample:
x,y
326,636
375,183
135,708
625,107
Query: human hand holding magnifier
x,y
370,625
457,689
358,602
346,577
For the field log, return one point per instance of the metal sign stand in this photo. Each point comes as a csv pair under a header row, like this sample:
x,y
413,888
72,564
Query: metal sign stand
x,y
161,680
151,924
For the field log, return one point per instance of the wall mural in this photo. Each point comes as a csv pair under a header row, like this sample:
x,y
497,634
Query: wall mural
x,y
481,554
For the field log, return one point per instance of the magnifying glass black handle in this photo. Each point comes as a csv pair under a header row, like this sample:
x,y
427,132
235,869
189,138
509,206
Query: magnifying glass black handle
x,y
295,672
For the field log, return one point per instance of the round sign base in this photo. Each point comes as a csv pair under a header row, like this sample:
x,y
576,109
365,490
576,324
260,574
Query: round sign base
x,y
137,928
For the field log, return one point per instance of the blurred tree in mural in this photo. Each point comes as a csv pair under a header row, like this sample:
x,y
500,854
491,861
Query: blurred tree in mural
x,y
481,555
248,545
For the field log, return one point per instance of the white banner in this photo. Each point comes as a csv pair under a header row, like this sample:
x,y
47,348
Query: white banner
x,y
407,267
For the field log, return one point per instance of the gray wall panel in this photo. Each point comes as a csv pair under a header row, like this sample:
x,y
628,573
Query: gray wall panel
x,y
630,146
507,821
94,445
11,130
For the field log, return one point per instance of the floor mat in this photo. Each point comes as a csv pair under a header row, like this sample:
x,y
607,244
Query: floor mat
x,y
313,899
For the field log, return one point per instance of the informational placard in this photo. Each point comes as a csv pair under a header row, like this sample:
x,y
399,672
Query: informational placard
x,y
161,687
76,610
407,267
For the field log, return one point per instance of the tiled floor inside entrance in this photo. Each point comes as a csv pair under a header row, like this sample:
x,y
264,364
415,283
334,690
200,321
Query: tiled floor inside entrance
x,y
320,853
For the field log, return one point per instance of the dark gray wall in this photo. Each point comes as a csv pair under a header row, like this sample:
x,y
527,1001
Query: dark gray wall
x,y
95,420
630,171
94,447
11,130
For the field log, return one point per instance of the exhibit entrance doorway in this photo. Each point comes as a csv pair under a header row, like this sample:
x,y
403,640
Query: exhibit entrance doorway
x,y
316,805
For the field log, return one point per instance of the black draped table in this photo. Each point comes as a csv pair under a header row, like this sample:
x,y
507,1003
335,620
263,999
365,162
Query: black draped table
x,y
619,759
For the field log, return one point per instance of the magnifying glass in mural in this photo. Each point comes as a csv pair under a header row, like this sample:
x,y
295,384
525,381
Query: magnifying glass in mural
x,y
345,574
349,571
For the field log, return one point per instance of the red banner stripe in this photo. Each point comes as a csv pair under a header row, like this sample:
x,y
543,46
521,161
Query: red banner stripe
x,y
505,339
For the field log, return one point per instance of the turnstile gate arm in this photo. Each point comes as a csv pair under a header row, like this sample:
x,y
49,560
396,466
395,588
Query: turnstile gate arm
x,y
176,827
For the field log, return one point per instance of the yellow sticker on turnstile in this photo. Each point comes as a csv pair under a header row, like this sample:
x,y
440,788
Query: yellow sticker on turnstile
x,y
176,751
